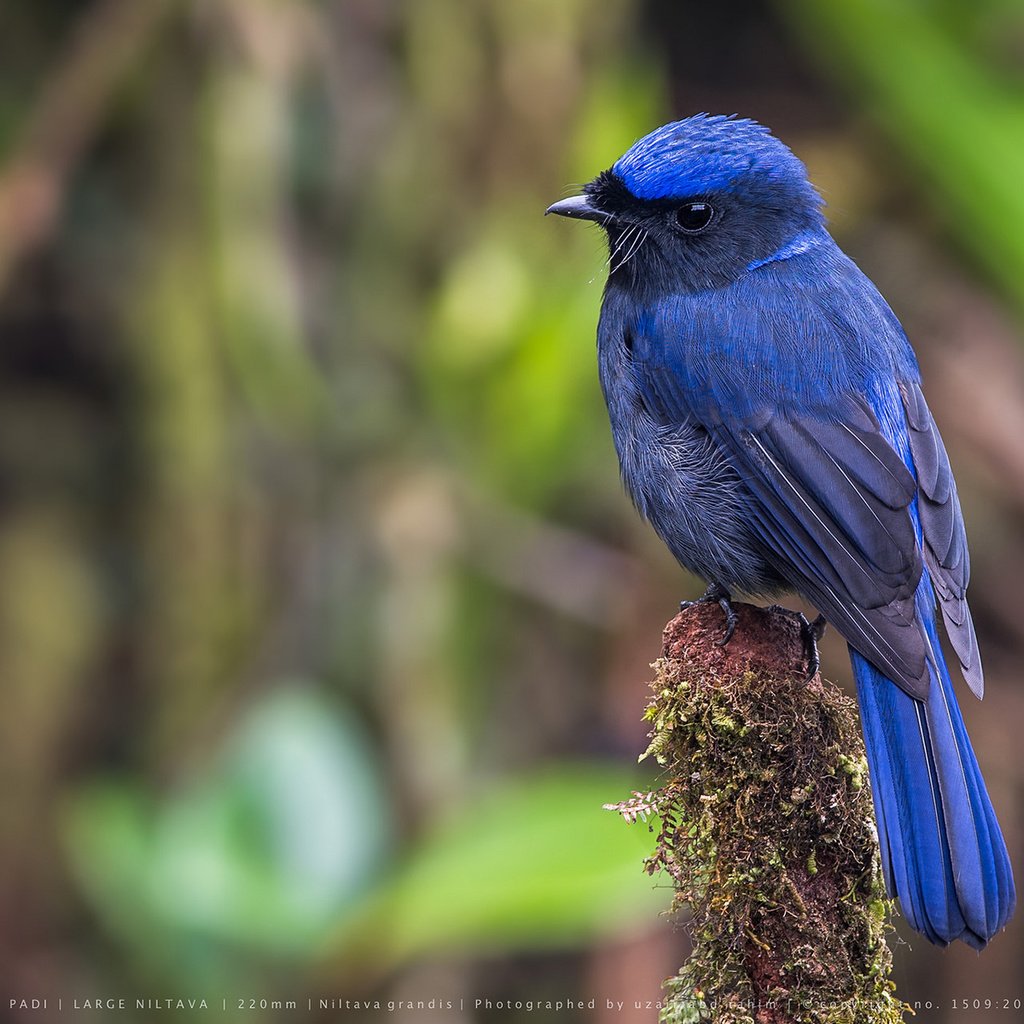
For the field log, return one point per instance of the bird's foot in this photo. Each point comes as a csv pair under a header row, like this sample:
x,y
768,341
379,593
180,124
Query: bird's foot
x,y
717,594
810,633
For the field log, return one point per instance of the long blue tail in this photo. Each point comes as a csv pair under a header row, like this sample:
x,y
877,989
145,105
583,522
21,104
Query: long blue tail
x,y
943,854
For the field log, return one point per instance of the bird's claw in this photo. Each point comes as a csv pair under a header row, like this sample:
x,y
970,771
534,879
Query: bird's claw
x,y
810,633
720,596
730,620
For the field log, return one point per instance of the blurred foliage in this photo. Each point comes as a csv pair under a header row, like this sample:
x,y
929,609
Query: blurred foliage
x,y
315,285
946,81
323,621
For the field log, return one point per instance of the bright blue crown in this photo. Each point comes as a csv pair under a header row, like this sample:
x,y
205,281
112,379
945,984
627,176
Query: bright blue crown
x,y
707,153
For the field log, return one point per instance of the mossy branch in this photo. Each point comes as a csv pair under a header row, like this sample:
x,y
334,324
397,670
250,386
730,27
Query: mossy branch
x,y
765,826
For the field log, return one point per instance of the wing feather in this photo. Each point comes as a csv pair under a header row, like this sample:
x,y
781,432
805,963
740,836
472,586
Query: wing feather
x,y
831,501
843,547
944,536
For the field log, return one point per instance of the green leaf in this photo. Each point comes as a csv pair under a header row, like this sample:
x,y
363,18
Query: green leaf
x,y
537,863
287,828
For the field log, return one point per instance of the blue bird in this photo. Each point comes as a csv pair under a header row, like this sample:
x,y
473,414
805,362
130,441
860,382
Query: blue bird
x,y
767,413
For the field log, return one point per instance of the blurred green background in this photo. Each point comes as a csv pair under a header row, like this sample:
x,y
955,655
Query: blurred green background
x,y
324,624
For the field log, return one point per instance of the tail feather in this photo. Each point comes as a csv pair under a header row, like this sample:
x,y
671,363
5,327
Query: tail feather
x,y
943,854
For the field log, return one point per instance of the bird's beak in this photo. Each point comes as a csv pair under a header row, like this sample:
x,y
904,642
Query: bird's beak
x,y
577,207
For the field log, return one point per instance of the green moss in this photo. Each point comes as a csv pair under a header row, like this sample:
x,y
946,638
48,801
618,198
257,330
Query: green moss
x,y
766,830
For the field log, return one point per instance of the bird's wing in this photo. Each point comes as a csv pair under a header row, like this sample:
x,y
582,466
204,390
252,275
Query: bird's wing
x,y
831,499
942,527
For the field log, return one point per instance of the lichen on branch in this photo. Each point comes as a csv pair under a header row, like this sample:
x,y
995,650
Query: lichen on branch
x,y
766,828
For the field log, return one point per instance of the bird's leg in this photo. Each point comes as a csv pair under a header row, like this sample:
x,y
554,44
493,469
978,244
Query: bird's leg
x,y
719,595
810,633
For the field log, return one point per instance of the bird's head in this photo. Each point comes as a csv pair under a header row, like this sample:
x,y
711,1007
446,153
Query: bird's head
x,y
698,203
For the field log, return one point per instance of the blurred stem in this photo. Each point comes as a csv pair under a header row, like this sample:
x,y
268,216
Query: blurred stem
x,y
106,45
51,616
188,536
255,48
416,629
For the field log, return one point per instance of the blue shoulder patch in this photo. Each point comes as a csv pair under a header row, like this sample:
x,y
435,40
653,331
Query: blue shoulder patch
x,y
803,242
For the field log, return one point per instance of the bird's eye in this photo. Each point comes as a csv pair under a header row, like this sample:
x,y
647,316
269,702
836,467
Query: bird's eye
x,y
695,217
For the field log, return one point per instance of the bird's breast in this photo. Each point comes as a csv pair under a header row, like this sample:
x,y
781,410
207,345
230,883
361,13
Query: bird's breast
x,y
679,479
